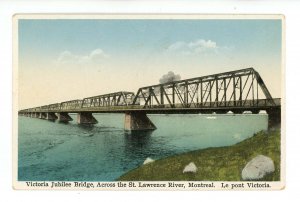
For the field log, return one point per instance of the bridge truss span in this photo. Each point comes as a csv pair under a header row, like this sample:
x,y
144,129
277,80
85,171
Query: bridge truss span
x,y
236,91
239,88
122,98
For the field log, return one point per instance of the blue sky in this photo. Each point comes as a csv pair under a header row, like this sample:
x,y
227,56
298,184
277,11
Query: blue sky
x,y
128,54
117,36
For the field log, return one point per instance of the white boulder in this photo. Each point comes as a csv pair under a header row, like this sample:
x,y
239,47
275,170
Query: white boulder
x,y
258,167
148,160
190,168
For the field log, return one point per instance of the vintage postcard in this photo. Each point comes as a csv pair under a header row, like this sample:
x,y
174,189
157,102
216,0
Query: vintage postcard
x,y
149,102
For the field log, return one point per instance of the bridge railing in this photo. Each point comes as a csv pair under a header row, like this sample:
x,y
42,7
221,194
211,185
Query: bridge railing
x,y
75,106
229,104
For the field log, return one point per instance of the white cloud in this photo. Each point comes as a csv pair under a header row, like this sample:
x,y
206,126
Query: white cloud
x,y
194,47
178,45
66,57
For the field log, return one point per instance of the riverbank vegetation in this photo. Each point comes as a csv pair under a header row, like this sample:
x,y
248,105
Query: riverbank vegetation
x,y
214,164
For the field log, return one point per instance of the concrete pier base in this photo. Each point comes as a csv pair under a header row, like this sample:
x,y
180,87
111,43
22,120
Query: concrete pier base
x,y
51,116
135,121
42,115
64,117
274,118
86,118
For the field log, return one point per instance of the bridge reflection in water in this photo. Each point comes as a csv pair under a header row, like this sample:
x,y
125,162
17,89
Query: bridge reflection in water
x,y
236,91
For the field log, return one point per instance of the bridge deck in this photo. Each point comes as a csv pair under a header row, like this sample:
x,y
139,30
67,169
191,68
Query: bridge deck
x,y
218,107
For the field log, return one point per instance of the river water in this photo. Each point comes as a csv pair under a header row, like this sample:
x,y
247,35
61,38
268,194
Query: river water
x,y
53,151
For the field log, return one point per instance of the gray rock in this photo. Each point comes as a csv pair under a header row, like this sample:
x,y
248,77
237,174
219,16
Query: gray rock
x,y
258,167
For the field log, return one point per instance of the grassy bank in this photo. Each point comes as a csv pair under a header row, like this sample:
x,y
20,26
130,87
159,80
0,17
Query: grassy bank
x,y
214,164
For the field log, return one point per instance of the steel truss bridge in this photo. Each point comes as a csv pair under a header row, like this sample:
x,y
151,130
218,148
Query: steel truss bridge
x,y
236,91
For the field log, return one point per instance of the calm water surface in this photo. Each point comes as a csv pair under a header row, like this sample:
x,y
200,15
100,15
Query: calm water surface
x,y
55,151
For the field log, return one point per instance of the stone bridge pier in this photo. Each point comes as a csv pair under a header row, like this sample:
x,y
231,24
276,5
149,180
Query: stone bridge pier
x,y
138,121
42,115
274,118
64,117
51,116
86,118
